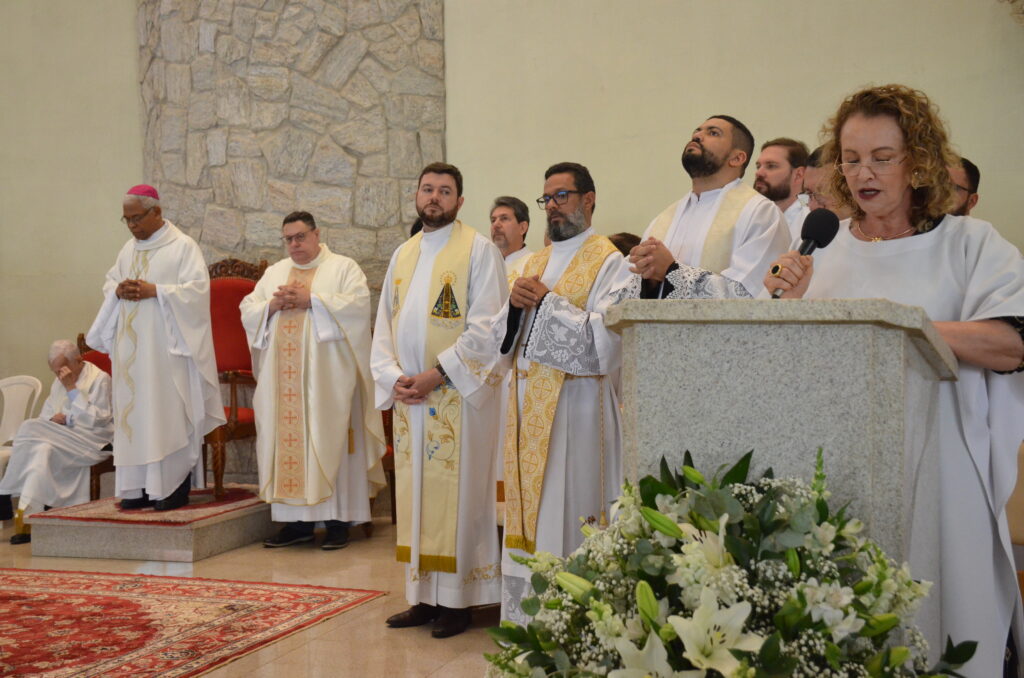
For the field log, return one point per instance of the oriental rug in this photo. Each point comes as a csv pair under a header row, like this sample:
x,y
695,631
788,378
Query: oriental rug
x,y
60,624
202,505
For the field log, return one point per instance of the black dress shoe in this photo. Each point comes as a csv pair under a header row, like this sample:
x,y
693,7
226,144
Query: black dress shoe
x,y
137,503
292,533
21,539
451,622
337,535
6,507
417,615
176,499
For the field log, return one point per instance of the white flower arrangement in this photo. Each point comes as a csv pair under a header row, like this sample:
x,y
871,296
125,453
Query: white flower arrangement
x,y
698,578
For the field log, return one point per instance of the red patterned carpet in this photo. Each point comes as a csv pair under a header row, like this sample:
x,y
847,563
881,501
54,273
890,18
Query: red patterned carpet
x,y
201,505
58,624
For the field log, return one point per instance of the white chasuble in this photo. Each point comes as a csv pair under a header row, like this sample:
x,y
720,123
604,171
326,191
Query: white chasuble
x,y
319,439
402,346
50,462
962,270
733,230
583,469
166,395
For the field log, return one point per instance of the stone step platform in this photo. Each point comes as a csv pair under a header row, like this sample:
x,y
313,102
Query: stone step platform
x,y
202,529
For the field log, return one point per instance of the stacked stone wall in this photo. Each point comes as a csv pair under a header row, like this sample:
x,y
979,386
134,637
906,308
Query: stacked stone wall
x,y
255,108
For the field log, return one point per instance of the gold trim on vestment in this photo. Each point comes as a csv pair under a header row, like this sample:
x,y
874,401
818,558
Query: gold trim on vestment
x,y
718,243
447,304
290,460
527,438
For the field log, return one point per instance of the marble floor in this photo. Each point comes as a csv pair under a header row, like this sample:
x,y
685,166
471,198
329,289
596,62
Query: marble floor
x,y
355,643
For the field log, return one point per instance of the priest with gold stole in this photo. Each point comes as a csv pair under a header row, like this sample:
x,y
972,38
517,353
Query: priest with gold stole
x,y
563,443
722,226
433,359
319,439
155,324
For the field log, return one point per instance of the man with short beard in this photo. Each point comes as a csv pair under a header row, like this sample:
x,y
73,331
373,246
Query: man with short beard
x,y
563,454
433,360
721,227
780,175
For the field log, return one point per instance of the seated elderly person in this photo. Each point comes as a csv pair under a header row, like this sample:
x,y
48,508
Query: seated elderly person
x,y
52,453
890,152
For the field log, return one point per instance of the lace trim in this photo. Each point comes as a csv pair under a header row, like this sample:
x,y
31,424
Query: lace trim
x,y
562,338
689,282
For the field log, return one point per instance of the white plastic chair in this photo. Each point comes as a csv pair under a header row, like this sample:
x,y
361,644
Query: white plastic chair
x,y
20,395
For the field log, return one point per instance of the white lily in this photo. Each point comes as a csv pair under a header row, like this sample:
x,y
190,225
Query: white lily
x,y
711,632
651,662
711,545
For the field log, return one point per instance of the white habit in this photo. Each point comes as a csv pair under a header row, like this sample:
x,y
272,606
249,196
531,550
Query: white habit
x,y
962,270
50,462
795,215
759,236
587,418
166,396
331,408
477,579
514,264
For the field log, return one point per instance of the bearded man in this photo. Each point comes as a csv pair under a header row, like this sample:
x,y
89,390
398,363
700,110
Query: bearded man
x,y
433,360
563,443
721,227
780,175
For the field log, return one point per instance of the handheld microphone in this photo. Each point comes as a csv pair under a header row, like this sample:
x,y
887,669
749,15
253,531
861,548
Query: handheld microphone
x,y
820,227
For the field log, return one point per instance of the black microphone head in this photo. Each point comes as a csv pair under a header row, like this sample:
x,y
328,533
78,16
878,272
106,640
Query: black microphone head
x,y
820,227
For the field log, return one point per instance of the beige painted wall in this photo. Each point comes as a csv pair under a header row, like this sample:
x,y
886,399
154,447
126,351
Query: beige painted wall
x,y
70,144
619,86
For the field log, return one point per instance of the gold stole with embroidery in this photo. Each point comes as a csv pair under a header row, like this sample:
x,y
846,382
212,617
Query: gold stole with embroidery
x,y
527,440
718,242
125,360
439,500
290,457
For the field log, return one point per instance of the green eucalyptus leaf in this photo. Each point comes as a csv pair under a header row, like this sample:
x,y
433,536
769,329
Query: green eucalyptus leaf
x,y
738,473
833,655
531,605
539,582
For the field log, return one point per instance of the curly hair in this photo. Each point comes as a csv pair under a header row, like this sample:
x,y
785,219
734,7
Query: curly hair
x,y
928,152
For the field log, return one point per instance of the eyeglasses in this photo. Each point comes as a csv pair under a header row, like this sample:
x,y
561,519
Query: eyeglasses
x,y
560,198
877,167
298,237
131,221
816,197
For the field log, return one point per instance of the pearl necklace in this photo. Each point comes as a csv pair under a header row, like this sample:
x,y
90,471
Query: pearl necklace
x,y
880,238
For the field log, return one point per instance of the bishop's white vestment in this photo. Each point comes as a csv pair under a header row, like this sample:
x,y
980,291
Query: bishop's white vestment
x,y
50,462
166,395
582,472
450,280
319,439
962,270
733,231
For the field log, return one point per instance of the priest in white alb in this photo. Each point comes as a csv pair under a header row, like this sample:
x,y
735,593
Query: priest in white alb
x,y
155,325
319,439
510,222
433,359
53,452
563,444
721,226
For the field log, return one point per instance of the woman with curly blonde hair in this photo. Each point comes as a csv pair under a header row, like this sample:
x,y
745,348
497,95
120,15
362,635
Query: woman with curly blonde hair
x,y
890,153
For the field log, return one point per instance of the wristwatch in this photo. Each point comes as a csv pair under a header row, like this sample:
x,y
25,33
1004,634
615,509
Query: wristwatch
x,y
440,368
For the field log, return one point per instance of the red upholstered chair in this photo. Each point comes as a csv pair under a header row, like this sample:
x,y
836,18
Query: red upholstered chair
x,y
102,361
230,281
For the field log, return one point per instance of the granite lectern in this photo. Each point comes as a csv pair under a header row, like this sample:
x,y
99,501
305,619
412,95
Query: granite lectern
x,y
856,377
